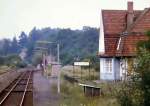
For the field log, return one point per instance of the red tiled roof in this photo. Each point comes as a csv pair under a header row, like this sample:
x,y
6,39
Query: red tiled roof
x,y
115,22
110,44
129,43
142,23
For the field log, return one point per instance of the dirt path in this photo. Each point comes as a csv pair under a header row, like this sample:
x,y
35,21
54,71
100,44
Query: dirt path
x,y
45,90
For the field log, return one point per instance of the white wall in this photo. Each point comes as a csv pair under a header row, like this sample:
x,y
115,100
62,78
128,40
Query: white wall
x,y
104,75
114,74
101,36
116,69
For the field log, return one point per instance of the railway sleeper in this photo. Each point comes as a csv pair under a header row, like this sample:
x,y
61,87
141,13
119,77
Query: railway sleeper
x,y
28,90
24,79
24,83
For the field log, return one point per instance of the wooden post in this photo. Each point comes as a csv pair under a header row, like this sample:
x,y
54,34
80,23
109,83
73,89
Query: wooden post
x,y
73,72
93,74
89,73
84,89
81,72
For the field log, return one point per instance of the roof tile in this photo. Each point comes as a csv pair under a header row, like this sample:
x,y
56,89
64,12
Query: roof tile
x,y
114,22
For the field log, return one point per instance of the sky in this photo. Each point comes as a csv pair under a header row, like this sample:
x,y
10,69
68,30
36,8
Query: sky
x,y
23,15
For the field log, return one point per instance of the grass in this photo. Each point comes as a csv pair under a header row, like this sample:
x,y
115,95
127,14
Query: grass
x,y
81,73
73,95
4,69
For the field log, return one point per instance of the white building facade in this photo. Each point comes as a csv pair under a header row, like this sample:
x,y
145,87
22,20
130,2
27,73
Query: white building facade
x,y
120,31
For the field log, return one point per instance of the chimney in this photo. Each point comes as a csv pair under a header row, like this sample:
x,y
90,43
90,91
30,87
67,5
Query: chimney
x,y
130,14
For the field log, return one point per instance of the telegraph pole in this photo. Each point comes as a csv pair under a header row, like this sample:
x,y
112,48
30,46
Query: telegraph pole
x,y
58,60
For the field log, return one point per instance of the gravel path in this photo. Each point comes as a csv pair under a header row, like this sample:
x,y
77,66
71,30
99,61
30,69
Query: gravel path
x,y
45,90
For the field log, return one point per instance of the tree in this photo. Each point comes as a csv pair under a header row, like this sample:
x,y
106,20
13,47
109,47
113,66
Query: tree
x,y
1,60
143,69
34,35
73,43
136,92
23,40
37,59
14,46
6,47
12,60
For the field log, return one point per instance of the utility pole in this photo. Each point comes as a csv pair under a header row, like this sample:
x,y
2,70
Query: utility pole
x,y
58,60
44,64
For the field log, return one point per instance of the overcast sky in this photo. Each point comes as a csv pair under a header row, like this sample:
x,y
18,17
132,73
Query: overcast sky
x,y
23,15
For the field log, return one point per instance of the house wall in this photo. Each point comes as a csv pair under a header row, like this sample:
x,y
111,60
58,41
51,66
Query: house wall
x,y
116,68
123,68
101,36
127,67
104,75
116,72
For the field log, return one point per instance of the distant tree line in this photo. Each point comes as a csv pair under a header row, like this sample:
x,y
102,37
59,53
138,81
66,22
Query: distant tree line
x,y
73,43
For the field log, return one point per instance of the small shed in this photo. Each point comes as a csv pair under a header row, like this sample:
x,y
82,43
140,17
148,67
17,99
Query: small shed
x,y
90,90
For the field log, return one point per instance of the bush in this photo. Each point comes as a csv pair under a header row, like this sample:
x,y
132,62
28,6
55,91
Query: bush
x,y
137,91
22,64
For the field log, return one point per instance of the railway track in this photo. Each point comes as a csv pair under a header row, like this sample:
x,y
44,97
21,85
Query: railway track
x,y
19,92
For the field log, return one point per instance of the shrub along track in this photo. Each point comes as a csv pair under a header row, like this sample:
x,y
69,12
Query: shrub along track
x,y
19,92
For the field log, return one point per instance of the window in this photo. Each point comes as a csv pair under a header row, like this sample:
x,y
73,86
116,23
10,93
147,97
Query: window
x,y
108,65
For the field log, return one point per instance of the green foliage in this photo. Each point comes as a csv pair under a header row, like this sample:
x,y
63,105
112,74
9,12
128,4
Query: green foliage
x,y
37,59
22,64
10,60
14,46
94,62
2,60
23,40
148,34
136,92
129,94
6,47
73,43
73,95
143,70
144,44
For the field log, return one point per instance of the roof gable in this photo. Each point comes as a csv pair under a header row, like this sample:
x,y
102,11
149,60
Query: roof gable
x,y
113,21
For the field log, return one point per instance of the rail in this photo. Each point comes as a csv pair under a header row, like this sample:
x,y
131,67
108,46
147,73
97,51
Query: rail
x,y
7,96
10,90
25,90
